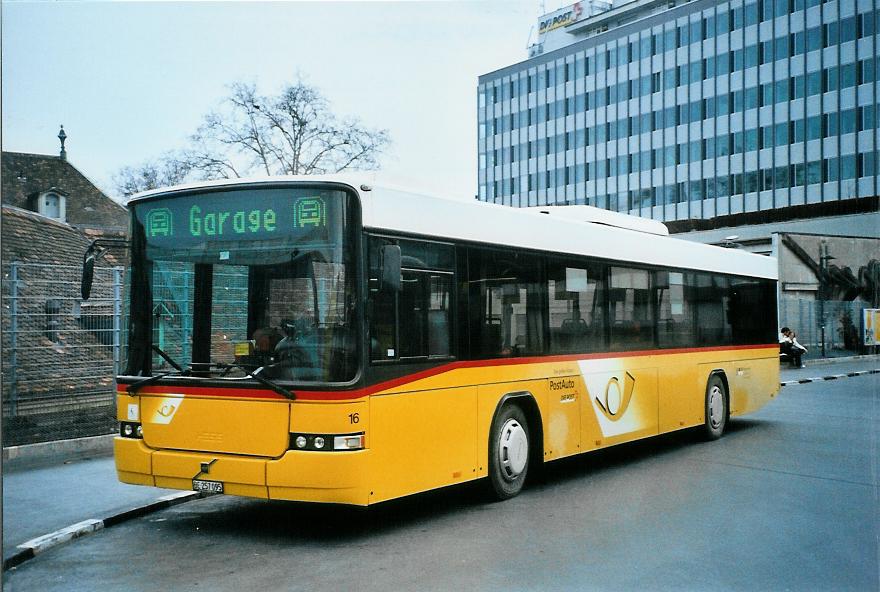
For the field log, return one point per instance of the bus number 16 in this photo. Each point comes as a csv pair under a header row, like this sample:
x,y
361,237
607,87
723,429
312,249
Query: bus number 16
x,y
354,418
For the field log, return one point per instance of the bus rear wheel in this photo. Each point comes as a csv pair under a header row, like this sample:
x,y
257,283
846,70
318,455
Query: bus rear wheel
x,y
717,411
509,449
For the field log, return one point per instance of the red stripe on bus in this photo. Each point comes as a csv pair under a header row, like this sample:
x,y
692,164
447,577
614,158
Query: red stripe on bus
x,y
305,395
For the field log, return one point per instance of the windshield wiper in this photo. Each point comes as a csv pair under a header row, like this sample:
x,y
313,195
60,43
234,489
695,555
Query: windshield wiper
x,y
271,384
135,386
286,393
255,374
168,359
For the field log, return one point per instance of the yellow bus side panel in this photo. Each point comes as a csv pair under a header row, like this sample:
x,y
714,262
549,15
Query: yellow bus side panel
x,y
622,403
562,416
329,417
681,395
421,441
749,380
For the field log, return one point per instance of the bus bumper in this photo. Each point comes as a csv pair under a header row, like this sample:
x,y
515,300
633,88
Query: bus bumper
x,y
326,477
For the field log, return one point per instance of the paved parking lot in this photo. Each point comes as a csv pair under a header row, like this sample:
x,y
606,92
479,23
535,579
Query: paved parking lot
x,y
787,500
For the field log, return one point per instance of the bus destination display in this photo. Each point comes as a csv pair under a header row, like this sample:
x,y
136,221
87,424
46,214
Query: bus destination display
x,y
234,216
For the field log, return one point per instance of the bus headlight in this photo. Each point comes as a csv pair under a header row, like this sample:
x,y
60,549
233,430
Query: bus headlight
x,y
128,429
322,442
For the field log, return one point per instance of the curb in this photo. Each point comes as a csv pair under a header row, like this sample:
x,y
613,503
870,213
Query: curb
x,y
45,451
829,377
32,548
841,359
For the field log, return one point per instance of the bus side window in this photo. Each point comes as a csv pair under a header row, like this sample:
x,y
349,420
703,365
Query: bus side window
x,y
382,308
576,298
750,299
710,297
424,309
675,312
508,297
632,311
415,322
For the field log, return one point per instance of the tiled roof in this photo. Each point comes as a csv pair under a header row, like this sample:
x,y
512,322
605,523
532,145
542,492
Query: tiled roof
x,y
29,237
26,175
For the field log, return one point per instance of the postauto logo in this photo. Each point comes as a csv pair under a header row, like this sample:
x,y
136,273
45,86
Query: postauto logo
x,y
561,19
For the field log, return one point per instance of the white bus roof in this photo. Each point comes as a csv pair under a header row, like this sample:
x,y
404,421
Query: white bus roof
x,y
576,230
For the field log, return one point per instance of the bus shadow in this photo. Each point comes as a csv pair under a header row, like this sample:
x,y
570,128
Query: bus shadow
x,y
621,455
288,522
292,522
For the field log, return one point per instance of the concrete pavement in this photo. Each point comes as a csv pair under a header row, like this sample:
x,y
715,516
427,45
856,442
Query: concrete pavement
x,y
42,503
828,369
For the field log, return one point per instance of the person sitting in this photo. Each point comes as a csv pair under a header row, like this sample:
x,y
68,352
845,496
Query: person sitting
x,y
788,345
266,338
297,351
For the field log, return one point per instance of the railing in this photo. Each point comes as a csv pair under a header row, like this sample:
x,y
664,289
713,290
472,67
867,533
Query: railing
x,y
827,328
60,354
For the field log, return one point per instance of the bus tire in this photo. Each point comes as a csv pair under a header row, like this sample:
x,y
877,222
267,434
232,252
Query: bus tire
x,y
717,408
509,451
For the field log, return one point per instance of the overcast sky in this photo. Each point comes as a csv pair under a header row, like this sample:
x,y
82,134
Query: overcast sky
x,y
132,80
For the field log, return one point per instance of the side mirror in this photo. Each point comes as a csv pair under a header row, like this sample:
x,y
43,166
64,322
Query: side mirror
x,y
88,271
92,254
391,268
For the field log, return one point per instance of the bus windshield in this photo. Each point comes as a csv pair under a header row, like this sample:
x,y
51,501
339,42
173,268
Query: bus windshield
x,y
226,283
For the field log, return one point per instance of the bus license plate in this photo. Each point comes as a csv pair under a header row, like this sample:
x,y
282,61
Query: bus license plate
x,y
207,486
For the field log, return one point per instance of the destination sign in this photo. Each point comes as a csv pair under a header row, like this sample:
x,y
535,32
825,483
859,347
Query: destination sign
x,y
244,215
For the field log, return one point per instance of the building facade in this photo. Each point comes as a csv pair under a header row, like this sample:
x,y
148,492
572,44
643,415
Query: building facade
x,y
60,353
686,111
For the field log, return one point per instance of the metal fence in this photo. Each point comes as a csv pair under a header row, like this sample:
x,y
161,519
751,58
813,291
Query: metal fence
x,y
835,322
60,355
173,288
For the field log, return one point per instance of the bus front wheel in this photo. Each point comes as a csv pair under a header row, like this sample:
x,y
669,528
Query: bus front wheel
x,y
508,452
717,411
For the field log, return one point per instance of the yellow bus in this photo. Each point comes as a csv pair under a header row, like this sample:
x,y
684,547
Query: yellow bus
x,y
318,339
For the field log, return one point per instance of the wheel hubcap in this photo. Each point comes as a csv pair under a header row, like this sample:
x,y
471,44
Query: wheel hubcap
x,y
513,449
716,407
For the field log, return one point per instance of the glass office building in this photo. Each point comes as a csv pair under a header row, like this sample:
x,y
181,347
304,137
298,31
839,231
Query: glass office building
x,y
692,110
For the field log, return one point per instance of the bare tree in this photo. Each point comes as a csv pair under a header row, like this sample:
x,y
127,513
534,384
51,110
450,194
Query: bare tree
x,y
152,174
292,133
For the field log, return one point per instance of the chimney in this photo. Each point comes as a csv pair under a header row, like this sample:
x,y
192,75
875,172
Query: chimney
x,y
62,136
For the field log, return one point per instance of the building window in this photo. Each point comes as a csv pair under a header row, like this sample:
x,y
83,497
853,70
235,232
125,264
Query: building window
x,y
829,35
866,71
831,170
847,29
814,83
847,75
848,121
866,164
848,167
52,205
866,118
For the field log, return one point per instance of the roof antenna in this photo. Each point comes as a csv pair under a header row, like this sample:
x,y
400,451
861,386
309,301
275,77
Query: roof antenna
x,y
62,136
